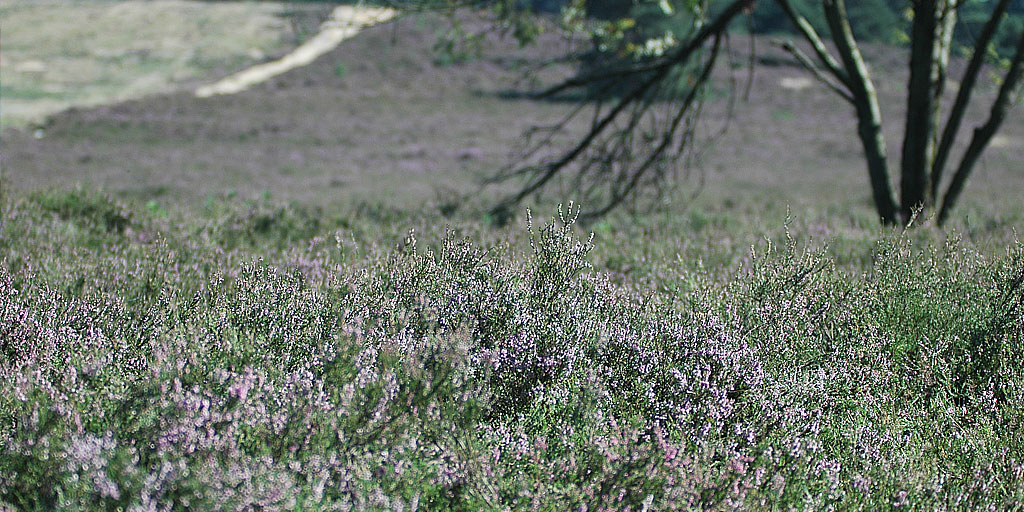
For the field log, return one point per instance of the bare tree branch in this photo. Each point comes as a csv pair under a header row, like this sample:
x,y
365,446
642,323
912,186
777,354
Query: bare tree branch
x,y
1007,97
815,41
963,95
815,70
607,153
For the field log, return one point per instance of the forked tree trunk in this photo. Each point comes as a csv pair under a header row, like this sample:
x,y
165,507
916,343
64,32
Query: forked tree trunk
x,y
923,155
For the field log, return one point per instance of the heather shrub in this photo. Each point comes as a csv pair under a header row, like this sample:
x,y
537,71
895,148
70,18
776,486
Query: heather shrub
x,y
377,362
86,209
218,419
282,225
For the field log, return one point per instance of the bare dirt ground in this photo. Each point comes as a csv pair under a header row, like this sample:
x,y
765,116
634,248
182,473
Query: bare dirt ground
x,y
63,53
378,120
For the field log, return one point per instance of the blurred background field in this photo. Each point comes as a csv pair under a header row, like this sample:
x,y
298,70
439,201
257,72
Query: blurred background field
x,y
79,53
384,117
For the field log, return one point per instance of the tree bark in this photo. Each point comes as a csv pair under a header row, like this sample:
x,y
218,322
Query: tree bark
x,y
869,117
943,48
918,139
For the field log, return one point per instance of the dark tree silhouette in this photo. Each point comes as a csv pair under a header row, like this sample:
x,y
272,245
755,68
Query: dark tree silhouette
x,y
927,145
637,137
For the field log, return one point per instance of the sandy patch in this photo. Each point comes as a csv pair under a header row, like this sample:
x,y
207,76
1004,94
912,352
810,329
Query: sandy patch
x,y
345,22
796,83
64,53
1004,141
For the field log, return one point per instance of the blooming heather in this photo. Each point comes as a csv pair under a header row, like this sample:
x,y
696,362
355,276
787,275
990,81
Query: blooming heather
x,y
249,358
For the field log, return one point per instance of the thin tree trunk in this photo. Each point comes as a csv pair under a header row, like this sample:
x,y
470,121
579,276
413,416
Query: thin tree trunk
x,y
983,135
943,49
918,138
963,96
869,117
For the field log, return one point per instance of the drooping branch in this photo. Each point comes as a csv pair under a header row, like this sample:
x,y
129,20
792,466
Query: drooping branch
x,y
680,56
616,153
668,136
544,173
963,95
1007,97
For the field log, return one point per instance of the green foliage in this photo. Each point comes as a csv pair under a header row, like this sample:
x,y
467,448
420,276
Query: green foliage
x,y
871,20
340,70
385,361
645,31
87,209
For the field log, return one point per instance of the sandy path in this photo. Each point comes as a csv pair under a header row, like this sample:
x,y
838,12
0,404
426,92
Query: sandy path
x,y
345,22
59,54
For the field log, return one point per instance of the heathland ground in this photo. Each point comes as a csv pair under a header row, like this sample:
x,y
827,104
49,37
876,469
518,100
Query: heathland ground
x,y
265,300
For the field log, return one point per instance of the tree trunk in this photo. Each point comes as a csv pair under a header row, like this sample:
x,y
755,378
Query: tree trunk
x,y
869,117
918,135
